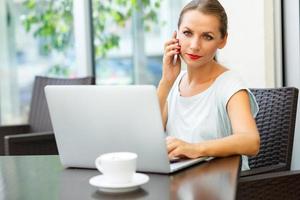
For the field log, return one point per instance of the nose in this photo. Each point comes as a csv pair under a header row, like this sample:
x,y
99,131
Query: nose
x,y
195,44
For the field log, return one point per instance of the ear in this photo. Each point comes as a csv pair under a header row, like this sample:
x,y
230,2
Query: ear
x,y
223,42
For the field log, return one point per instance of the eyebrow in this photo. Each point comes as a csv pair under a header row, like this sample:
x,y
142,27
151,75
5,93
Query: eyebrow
x,y
207,32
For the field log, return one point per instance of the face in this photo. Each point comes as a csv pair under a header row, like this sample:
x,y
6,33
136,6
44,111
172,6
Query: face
x,y
199,37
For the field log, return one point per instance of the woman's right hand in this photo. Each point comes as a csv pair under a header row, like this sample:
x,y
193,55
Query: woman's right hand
x,y
171,69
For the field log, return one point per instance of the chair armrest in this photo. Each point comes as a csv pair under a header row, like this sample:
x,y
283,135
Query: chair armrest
x,y
42,143
9,130
275,185
14,129
263,170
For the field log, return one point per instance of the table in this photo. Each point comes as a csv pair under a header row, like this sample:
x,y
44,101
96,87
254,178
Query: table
x,y
43,178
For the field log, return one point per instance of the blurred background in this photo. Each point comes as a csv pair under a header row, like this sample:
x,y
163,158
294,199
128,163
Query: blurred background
x,y
121,42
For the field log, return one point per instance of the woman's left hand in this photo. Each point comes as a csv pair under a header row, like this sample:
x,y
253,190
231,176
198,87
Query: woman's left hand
x,y
179,148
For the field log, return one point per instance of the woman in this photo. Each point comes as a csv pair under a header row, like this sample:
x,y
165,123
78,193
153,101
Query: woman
x,y
206,110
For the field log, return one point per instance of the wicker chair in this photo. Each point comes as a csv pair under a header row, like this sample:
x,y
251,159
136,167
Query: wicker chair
x,y
271,177
270,186
276,124
36,137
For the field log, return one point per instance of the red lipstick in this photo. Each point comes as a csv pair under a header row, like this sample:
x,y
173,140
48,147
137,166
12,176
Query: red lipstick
x,y
193,57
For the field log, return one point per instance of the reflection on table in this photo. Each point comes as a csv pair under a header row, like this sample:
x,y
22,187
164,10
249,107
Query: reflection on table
x,y
43,177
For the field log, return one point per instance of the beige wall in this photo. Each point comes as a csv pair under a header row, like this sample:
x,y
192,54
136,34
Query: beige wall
x,y
251,44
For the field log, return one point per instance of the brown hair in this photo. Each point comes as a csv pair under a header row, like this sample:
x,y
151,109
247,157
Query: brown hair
x,y
210,7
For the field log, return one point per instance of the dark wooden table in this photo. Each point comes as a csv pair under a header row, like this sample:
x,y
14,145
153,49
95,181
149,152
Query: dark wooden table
x,y
43,177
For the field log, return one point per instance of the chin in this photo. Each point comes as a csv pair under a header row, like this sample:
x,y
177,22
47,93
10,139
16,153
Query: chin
x,y
194,64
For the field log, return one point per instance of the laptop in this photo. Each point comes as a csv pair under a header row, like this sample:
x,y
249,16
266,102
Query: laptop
x,y
92,120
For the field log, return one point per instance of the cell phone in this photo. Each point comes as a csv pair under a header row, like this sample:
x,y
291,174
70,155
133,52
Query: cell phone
x,y
176,55
175,59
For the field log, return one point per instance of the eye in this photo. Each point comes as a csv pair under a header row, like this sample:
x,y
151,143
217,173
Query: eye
x,y
187,33
208,37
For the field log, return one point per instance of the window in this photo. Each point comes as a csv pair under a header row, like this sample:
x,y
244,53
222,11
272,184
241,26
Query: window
x,y
37,40
138,59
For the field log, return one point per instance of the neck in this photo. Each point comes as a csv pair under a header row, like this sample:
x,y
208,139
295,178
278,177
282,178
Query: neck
x,y
203,74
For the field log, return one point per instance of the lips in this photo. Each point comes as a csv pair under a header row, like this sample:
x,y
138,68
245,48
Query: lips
x,y
193,57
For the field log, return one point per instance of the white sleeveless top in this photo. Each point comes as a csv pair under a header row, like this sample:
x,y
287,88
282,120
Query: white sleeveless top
x,y
204,116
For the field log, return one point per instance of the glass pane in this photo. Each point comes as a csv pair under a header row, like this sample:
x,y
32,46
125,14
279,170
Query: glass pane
x,y
112,28
39,36
137,58
161,32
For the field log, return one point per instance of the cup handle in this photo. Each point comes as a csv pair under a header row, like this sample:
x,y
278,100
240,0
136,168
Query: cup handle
x,y
98,164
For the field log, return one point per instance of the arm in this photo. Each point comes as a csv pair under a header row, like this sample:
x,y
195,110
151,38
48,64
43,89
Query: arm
x,y
244,140
162,93
170,71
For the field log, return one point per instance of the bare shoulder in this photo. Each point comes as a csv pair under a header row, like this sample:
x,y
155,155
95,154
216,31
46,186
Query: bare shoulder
x,y
239,100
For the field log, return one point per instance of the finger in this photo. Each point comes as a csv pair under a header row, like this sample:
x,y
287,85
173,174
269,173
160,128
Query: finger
x,y
172,53
171,146
169,42
178,152
171,155
174,34
172,47
174,153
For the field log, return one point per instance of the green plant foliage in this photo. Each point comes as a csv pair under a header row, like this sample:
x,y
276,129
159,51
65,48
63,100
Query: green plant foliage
x,y
51,21
108,13
59,70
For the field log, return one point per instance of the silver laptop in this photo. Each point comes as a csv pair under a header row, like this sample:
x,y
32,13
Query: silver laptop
x,y
91,120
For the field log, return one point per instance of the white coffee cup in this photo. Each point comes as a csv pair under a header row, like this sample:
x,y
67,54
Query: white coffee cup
x,y
117,167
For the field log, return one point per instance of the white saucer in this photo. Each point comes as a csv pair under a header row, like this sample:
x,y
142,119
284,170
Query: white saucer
x,y
138,180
